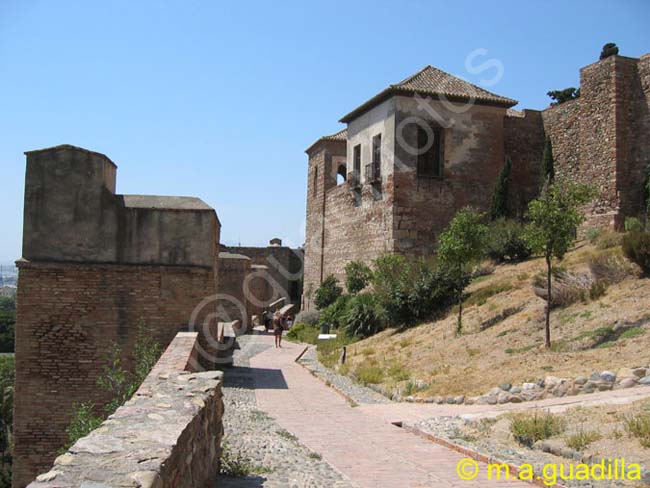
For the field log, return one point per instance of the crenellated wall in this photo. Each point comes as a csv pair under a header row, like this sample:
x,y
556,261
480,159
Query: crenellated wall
x,y
96,265
167,436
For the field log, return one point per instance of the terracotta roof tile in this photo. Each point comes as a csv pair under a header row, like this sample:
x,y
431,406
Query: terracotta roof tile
x,y
436,83
341,135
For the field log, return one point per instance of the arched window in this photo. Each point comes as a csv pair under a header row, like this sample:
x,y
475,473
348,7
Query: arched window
x,y
341,174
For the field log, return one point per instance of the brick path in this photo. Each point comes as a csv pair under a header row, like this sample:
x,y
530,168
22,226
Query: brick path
x,y
365,448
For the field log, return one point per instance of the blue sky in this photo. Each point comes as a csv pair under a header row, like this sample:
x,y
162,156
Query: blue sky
x,y
220,99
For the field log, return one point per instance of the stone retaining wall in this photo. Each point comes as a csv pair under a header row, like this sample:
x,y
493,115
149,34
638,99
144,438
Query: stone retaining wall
x,y
167,435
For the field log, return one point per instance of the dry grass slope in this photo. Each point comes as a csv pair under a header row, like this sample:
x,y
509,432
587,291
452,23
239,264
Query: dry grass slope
x,y
503,338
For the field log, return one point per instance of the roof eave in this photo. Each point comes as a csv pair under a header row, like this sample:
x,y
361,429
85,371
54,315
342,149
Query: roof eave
x,y
364,107
393,90
323,139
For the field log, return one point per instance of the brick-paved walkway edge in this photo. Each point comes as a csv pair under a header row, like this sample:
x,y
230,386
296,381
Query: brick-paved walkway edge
x,y
368,450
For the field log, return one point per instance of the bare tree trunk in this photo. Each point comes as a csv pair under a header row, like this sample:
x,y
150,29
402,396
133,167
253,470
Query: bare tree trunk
x,y
459,325
548,302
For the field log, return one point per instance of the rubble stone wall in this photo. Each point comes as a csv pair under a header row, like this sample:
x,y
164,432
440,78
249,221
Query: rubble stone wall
x,y
167,435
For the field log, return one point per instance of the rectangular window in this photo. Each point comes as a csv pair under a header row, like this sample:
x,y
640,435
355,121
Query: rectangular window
x,y
376,150
357,159
429,159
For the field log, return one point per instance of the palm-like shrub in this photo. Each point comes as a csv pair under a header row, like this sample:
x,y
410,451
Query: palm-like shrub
x,y
364,317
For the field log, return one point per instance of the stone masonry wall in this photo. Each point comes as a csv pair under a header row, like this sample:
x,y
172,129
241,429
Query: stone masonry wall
x,y
341,226
260,292
472,157
167,435
284,265
319,181
354,231
233,303
69,316
632,132
601,139
524,144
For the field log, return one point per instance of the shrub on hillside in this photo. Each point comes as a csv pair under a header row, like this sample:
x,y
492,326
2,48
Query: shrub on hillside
x,y
364,317
327,292
608,238
632,224
610,267
303,332
505,241
636,247
308,317
566,288
334,314
638,425
411,290
357,276
592,234
529,428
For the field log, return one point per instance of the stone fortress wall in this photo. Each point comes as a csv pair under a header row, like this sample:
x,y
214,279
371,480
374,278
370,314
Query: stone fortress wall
x,y
602,138
95,265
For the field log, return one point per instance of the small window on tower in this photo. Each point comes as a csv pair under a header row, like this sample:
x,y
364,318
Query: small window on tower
x,y
341,174
357,159
429,158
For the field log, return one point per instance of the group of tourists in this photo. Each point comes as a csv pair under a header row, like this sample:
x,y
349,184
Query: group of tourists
x,y
278,322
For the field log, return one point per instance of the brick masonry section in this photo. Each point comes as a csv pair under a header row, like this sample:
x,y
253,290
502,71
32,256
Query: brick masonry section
x,y
95,266
167,435
69,317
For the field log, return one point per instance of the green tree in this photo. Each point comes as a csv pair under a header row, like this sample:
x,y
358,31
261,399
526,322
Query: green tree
x,y
609,49
7,323
7,374
553,219
565,95
500,196
357,276
327,292
460,246
7,330
548,164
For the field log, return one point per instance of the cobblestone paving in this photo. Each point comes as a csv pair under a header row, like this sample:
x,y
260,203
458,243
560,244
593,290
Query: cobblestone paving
x,y
360,394
256,436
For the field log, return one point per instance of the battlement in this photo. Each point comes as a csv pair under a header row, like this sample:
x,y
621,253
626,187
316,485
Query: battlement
x,y
72,214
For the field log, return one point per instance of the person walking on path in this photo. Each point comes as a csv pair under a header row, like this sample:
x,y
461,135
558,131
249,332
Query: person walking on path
x,y
278,327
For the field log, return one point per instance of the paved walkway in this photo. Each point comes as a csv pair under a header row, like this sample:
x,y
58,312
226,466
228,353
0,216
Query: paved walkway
x,y
365,448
